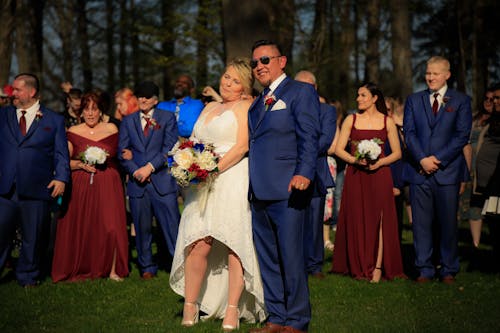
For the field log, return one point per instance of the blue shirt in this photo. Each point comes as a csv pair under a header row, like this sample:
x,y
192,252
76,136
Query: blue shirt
x,y
187,112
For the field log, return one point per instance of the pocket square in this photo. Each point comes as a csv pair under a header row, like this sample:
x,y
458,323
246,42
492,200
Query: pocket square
x,y
279,105
47,129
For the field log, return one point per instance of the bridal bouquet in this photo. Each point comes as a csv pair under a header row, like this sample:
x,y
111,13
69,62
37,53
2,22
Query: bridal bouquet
x,y
368,150
193,162
93,155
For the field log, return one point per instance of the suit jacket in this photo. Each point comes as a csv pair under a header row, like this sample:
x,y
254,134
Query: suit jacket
x,y
283,139
31,162
328,123
153,148
443,135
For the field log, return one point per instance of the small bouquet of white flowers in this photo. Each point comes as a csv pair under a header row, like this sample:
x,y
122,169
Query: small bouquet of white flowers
x,y
368,150
93,155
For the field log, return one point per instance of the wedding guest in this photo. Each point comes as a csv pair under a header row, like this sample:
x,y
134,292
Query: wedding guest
x,y
215,265
437,123
185,108
479,121
34,170
150,135
366,242
126,103
313,231
72,113
91,239
283,132
4,98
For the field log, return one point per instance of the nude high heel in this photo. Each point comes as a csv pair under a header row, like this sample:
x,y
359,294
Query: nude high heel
x,y
227,327
196,316
376,279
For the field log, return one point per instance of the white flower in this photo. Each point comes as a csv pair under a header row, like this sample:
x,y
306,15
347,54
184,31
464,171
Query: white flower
x,y
95,155
206,160
184,158
181,175
369,149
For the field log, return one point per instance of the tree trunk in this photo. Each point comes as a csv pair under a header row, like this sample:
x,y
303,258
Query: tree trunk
x,y
84,44
122,53
110,58
318,36
64,14
7,11
202,39
28,44
401,47
372,47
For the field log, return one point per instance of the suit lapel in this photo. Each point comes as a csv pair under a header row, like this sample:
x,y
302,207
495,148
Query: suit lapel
x,y
426,101
260,107
14,124
138,127
448,97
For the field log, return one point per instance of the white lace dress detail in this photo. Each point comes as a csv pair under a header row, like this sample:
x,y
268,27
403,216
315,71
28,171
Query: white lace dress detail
x,y
227,219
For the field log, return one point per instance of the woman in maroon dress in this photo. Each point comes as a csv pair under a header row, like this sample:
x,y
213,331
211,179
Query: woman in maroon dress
x,y
366,242
91,239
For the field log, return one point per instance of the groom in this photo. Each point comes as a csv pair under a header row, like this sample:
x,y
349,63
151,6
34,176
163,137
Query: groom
x,y
33,171
284,130
150,134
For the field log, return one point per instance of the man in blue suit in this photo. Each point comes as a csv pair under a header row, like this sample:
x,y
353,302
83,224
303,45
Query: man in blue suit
x,y
149,135
34,170
284,131
313,232
437,124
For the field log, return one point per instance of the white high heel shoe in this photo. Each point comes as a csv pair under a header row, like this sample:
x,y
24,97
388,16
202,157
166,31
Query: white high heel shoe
x,y
196,317
227,327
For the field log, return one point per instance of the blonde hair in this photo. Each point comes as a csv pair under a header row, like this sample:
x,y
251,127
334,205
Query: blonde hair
x,y
439,59
242,67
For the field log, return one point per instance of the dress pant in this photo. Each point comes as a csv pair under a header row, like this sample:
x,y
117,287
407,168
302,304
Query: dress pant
x,y
7,228
313,236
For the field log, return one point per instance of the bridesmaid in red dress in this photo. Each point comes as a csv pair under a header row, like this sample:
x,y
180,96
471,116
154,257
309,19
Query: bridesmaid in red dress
x,y
91,239
366,242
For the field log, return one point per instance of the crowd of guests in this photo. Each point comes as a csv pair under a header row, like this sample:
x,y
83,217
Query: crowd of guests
x,y
290,166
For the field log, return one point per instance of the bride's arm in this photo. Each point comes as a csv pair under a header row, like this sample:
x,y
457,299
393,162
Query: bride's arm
x,y
240,148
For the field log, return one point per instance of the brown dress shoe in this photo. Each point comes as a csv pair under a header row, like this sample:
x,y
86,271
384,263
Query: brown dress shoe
x,y
269,328
148,276
422,279
318,275
290,329
449,279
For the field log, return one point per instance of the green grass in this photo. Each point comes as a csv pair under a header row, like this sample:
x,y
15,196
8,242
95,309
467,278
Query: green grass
x,y
339,304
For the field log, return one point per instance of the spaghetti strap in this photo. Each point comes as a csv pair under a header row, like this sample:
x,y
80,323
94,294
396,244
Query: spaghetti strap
x,y
353,120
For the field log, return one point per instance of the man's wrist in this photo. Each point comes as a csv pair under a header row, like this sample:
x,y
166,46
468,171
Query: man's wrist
x,y
152,167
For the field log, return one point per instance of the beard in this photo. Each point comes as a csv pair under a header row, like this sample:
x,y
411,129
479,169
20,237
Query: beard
x,y
180,93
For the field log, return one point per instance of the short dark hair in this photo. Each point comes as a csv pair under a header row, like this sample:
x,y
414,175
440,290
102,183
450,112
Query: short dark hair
x,y
266,42
75,93
30,80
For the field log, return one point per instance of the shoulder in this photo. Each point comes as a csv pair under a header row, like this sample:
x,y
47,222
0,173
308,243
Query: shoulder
x,y
76,128
195,102
243,106
452,93
51,113
111,127
166,106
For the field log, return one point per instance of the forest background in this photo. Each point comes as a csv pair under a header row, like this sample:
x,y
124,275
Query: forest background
x,y
110,44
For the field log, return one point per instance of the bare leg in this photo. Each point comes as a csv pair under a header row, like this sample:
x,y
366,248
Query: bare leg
x,y
326,237
377,272
112,275
236,286
475,230
194,273
408,211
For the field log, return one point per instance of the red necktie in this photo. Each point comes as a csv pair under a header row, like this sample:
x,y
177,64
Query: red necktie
x,y
148,123
435,105
22,123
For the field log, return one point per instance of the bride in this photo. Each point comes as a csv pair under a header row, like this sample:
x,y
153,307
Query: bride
x,y
215,266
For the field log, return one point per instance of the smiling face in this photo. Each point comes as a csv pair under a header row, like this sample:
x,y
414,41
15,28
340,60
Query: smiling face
x,y
147,104
23,95
91,114
488,101
230,86
365,99
266,74
436,74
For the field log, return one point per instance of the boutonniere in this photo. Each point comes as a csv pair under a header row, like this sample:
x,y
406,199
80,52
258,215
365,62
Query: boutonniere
x,y
153,124
446,99
268,100
38,115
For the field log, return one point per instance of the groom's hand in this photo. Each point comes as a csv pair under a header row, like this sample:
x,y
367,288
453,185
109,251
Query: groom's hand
x,y
298,182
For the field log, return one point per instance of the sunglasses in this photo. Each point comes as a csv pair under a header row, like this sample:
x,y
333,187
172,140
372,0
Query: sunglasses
x,y
265,60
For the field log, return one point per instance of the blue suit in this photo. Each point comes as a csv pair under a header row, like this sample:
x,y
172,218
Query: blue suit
x,y
158,196
29,164
434,198
189,112
283,143
313,232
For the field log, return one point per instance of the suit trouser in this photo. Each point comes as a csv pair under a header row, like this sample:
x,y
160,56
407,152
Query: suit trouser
x,y
7,228
313,235
278,237
433,203
166,212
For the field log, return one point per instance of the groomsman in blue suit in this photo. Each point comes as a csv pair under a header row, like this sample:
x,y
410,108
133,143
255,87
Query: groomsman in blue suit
x,y
284,131
149,135
437,124
313,232
34,170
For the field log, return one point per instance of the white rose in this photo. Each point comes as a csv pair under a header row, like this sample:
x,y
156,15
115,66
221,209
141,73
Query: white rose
x,y
181,175
184,158
206,161
95,155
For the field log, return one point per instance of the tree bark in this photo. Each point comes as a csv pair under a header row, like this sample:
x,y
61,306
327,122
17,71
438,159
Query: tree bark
x,y
401,47
110,41
372,42
7,11
84,44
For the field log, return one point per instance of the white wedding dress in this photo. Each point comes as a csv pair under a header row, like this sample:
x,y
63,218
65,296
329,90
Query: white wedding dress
x,y
227,219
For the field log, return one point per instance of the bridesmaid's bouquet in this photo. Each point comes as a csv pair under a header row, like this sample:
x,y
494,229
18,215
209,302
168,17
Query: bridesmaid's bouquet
x,y
368,150
93,155
193,162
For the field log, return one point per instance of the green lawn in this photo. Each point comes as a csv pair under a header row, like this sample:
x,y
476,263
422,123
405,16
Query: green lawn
x,y
339,304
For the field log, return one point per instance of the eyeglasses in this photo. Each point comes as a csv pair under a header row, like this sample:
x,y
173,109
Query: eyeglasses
x,y
264,61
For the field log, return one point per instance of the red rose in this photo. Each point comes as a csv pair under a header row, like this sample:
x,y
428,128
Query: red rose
x,y
269,101
186,144
449,109
202,174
